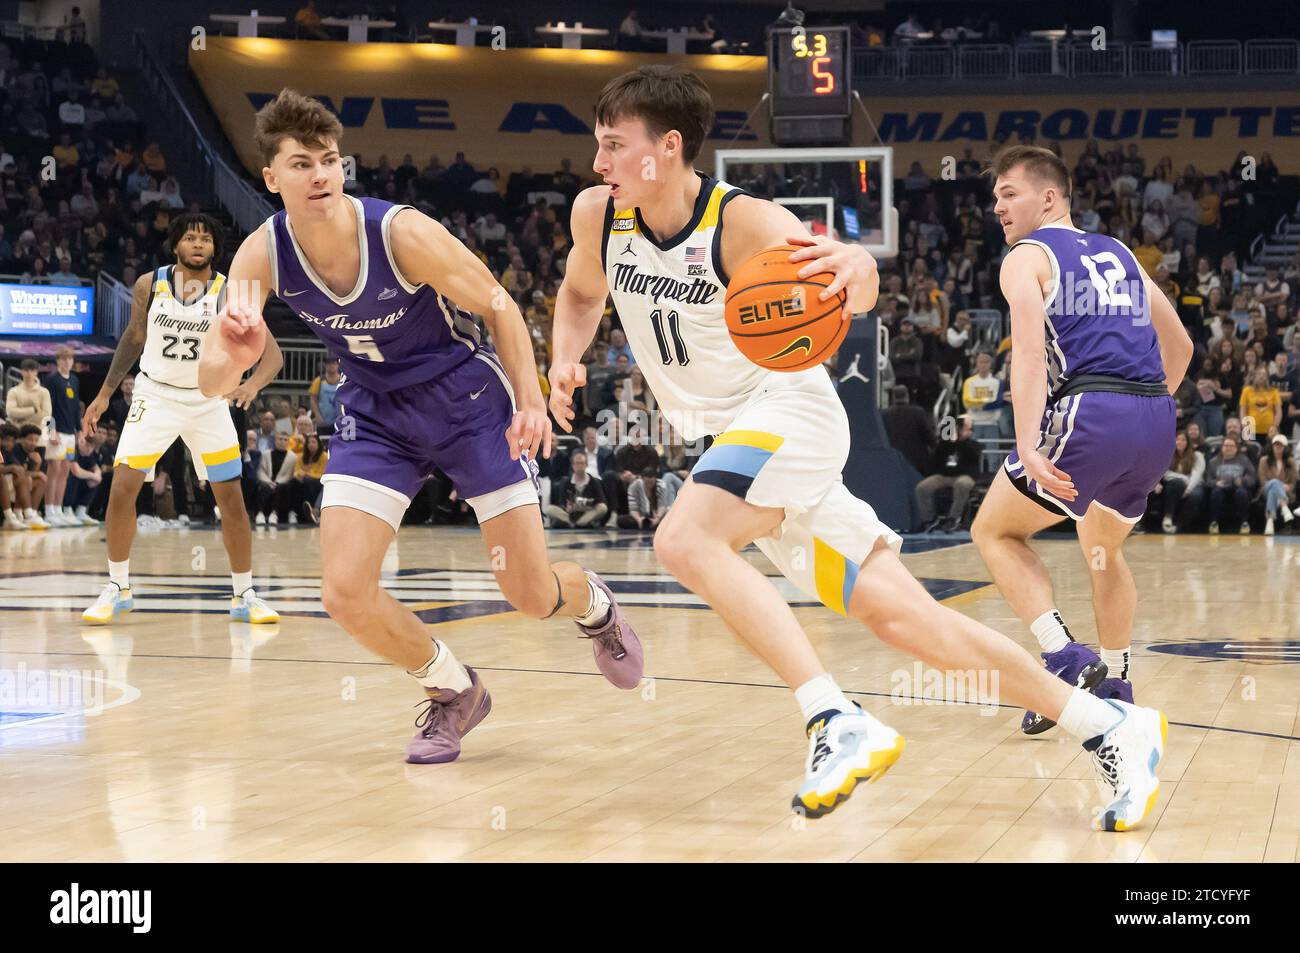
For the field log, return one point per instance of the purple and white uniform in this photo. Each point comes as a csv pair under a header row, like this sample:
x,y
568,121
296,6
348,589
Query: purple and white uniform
x,y
1109,421
420,390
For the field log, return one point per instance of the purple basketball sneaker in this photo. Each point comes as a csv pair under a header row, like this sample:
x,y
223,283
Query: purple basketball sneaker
x,y
1076,664
449,717
1115,688
618,651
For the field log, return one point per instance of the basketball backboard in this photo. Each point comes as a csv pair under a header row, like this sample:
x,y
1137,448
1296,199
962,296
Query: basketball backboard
x,y
850,191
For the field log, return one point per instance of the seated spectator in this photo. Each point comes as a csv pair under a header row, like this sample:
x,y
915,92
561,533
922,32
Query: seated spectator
x,y
631,458
302,426
906,352
909,428
598,455
28,485
618,347
1231,479
1277,483
104,85
648,501
579,499
274,472
84,477
122,114
304,487
29,454
266,432
1214,398
1179,488
1283,377
954,466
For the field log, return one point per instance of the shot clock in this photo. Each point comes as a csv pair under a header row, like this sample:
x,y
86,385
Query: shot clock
x,y
809,81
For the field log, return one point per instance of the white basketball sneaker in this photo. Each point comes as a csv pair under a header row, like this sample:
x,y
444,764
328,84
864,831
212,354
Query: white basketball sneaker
x,y
1125,759
843,749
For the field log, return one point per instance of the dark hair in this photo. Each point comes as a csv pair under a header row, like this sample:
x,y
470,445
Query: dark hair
x,y
27,430
291,115
900,394
320,448
650,472
577,453
1039,162
8,430
29,364
664,98
200,222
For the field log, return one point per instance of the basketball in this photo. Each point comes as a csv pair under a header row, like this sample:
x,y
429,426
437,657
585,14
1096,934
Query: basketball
x,y
776,318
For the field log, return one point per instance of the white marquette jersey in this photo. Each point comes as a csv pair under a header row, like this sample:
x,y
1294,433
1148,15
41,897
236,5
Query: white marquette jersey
x,y
670,297
176,331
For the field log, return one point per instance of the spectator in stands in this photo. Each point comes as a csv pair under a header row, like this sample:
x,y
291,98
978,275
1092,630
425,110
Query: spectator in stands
x,y
906,351
633,457
1231,478
1284,377
598,455
275,470
954,465
304,487
1277,483
120,114
72,113
629,33
1261,402
266,433
84,477
618,347
649,499
28,402
1214,398
1178,489
324,396
980,395
1148,254
579,499
29,485
103,85
909,428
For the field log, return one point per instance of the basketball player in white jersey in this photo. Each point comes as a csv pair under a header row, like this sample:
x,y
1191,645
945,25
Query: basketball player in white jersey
x,y
171,312
772,475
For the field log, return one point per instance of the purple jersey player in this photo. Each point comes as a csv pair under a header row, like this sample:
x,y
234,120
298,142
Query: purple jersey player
x,y
421,391
1098,350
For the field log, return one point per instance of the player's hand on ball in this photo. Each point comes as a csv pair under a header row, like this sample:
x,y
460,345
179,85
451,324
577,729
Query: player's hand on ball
x,y
1043,472
243,332
94,411
565,379
529,430
853,267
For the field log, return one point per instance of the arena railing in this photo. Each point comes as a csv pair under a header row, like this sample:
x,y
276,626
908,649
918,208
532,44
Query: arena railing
x,y
248,208
303,360
112,306
1077,58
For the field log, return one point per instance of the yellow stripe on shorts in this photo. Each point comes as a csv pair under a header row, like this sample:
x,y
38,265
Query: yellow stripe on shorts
x,y
834,576
143,462
220,456
750,438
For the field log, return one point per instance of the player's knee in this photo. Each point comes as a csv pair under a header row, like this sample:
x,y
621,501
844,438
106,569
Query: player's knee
x,y
675,552
347,600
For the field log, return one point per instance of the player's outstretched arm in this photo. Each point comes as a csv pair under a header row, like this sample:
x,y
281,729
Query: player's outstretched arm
x,y
426,253
237,338
580,302
754,224
1023,275
1175,343
129,348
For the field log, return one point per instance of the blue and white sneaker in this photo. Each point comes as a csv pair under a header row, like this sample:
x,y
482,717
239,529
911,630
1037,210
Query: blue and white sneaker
x,y
112,601
843,749
1125,759
250,607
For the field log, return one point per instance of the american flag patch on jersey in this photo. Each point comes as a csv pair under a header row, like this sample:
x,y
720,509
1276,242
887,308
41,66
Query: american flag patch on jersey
x,y
694,254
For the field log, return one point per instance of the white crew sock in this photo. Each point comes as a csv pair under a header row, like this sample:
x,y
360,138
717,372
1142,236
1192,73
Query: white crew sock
x,y
1117,662
1050,631
598,609
442,671
1086,716
241,581
30,513
821,694
120,573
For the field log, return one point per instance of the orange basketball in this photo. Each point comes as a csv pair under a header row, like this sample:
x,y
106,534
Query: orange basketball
x,y
776,318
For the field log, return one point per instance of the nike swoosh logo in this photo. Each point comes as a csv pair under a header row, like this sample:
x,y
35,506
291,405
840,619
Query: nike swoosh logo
x,y
474,394
292,294
478,698
798,344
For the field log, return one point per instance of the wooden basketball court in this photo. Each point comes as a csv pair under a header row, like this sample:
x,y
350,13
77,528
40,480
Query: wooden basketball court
x,y
221,741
